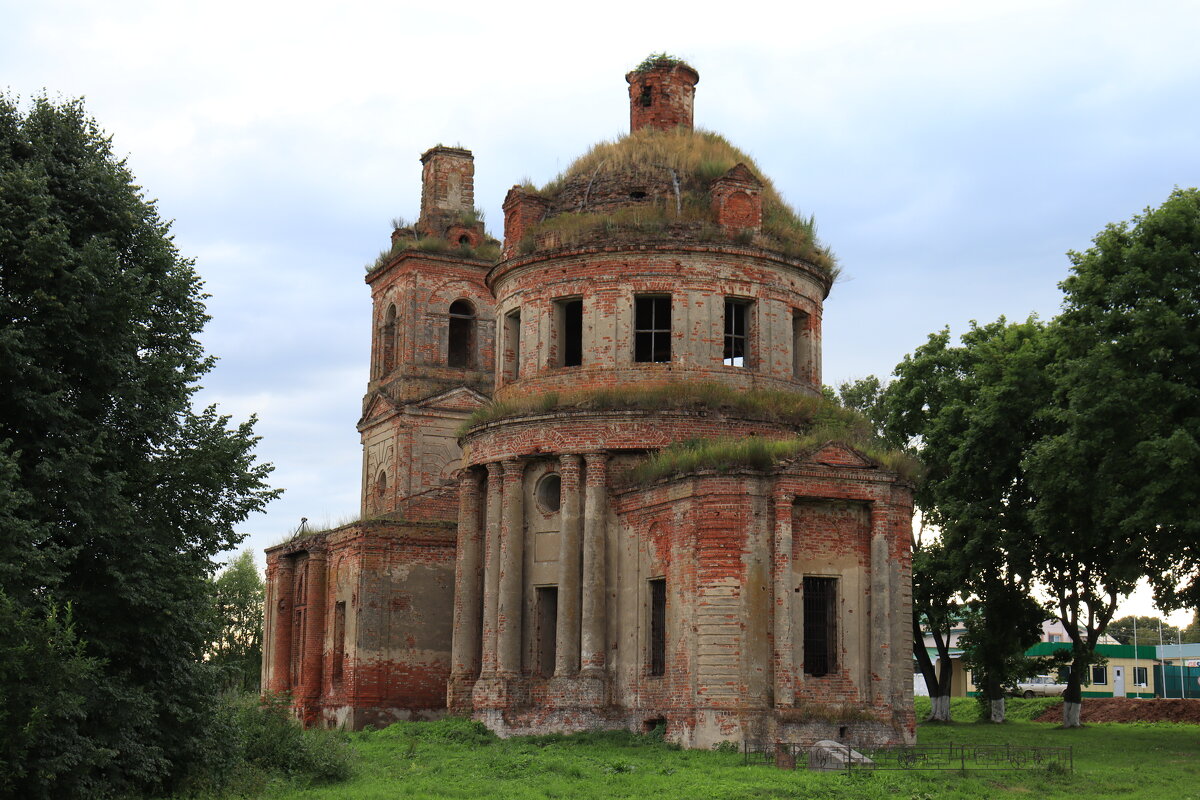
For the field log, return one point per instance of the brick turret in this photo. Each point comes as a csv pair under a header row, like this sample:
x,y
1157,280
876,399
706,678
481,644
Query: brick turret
x,y
447,189
661,96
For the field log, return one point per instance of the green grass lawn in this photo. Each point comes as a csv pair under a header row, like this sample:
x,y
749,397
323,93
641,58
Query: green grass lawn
x,y
457,759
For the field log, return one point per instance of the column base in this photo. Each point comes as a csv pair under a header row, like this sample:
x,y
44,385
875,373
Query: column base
x,y
459,694
500,692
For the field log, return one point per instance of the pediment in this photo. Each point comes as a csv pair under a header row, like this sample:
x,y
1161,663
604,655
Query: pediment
x,y
740,174
836,454
376,405
462,398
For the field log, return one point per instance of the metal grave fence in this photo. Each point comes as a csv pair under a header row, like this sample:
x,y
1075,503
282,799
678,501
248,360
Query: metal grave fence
x,y
959,757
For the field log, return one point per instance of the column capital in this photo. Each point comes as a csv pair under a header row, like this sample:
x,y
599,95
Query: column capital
x,y
569,462
468,481
598,458
513,467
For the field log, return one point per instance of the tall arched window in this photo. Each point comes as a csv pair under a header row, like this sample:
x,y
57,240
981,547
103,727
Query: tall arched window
x,y
380,490
460,350
387,341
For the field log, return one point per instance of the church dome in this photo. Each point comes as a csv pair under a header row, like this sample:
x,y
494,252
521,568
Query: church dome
x,y
663,180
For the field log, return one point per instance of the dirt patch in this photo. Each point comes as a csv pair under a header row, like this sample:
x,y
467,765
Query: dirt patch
x,y
1125,709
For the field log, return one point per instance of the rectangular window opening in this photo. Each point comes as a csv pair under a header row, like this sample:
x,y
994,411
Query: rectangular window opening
x,y
652,329
1140,676
657,657
820,626
568,325
801,347
339,640
737,329
511,353
547,629
1100,675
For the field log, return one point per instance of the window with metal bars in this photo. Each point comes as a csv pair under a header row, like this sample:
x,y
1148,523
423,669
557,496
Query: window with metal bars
x,y
820,626
737,332
657,657
652,329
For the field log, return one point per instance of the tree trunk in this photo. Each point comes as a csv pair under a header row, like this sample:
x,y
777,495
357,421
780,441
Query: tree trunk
x,y
1073,697
995,694
937,680
940,711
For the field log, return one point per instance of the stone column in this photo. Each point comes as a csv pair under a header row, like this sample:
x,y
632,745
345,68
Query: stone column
x,y
314,632
594,630
468,580
512,562
491,569
566,657
881,601
281,636
782,581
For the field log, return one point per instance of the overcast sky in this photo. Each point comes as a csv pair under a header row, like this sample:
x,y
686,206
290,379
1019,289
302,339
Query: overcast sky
x,y
951,153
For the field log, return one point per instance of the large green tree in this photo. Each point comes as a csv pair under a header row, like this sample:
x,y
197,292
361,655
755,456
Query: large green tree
x,y
969,411
122,493
1145,629
1117,475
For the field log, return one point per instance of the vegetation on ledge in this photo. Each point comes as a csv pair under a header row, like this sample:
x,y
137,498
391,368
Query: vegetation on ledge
x,y
820,419
412,238
661,61
727,454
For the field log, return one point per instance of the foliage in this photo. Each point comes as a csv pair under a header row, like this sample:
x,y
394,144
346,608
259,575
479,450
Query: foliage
x,y
970,410
994,643
1192,632
238,604
119,492
660,61
1147,630
865,395
936,582
693,158
42,669
1115,474
275,742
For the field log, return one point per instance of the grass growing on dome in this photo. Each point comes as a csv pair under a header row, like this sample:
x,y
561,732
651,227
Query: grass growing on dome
x,y
695,158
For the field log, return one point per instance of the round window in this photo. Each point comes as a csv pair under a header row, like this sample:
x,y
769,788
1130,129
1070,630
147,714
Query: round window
x,y
549,492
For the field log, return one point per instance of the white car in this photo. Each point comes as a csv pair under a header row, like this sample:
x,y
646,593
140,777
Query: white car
x,y
1041,686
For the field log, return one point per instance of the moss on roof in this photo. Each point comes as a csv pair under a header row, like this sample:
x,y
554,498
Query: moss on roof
x,y
696,158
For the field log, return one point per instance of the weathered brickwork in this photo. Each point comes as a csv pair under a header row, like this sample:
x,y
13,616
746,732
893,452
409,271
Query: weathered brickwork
x,y
513,571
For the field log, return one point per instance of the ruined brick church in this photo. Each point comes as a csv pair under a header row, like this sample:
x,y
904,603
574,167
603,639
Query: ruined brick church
x,y
528,552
